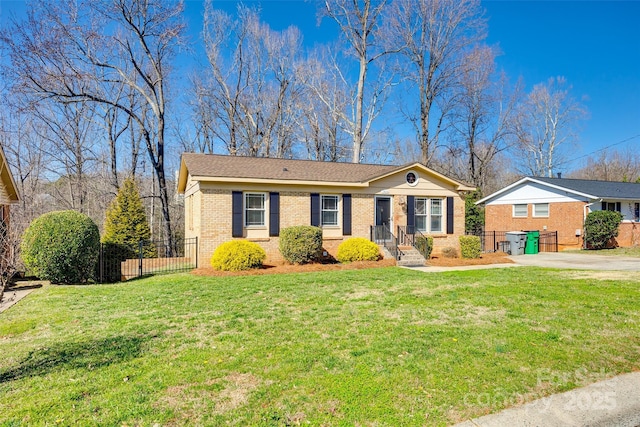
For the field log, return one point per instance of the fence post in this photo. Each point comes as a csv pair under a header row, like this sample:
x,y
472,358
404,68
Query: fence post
x,y
101,269
140,258
196,251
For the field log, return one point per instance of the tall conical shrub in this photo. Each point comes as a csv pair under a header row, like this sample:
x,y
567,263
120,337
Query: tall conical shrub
x,y
126,221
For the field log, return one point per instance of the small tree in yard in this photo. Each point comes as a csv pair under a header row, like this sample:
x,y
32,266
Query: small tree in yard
x,y
126,221
473,214
600,227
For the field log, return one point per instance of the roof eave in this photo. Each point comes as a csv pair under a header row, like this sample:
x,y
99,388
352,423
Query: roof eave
x,y
530,179
278,181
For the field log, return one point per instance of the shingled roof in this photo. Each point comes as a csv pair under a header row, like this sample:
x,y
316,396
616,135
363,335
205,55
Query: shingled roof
x,y
598,189
588,188
212,165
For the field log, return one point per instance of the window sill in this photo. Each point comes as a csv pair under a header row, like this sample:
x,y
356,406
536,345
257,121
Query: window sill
x,y
259,239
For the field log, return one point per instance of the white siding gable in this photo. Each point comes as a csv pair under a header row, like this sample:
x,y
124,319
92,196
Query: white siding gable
x,y
530,192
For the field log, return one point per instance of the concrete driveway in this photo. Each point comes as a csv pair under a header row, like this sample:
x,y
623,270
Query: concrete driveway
x,y
578,261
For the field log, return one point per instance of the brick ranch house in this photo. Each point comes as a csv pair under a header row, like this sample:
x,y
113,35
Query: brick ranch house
x,y
560,204
232,197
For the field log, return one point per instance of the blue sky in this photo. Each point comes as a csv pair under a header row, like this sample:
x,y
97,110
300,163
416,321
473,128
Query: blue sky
x,y
594,44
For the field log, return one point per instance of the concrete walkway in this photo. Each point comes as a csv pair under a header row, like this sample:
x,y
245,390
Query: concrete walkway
x,y
570,260
611,403
577,260
14,294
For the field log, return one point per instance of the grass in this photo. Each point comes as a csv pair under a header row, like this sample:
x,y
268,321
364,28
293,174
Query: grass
x,y
371,347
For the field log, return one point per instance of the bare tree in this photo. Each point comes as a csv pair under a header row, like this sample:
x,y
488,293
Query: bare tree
x,y
611,165
249,101
483,116
432,36
85,52
359,21
546,122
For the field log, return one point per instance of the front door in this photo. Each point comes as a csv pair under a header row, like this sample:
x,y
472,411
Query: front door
x,y
383,217
383,211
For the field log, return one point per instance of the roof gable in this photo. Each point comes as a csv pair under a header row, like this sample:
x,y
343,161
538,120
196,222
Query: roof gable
x,y
590,189
212,167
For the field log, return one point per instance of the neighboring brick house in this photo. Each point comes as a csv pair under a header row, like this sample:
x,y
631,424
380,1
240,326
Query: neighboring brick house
x,y
560,204
229,197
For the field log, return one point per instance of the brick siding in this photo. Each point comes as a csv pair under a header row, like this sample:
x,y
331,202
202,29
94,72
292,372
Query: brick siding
x,y
211,221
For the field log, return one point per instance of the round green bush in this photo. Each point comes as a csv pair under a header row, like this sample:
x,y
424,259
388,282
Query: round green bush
x,y
62,247
357,249
238,255
300,244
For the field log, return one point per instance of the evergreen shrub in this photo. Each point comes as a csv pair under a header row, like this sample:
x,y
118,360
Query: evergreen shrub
x,y
62,247
238,255
301,244
126,222
600,227
357,249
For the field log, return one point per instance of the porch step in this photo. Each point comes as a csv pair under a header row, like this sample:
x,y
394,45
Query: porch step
x,y
409,256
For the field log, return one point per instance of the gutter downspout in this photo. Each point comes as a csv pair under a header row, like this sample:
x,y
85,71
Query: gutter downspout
x,y
584,242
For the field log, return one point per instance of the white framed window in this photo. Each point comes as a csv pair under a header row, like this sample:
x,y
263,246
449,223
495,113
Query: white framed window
x,y
428,214
254,209
521,211
421,213
436,215
329,210
541,210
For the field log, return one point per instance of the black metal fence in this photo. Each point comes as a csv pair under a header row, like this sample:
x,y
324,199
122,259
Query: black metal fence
x,y
122,262
496,241
548,241
382,235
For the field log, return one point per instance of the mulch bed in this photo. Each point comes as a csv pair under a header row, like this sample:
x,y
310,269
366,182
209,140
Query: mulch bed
x,y
282,268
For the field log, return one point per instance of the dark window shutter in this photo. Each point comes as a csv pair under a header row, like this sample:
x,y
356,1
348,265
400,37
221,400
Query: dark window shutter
x,y
449,215
618,207
315,209
274,214
411,214
604,206
346,214
236,214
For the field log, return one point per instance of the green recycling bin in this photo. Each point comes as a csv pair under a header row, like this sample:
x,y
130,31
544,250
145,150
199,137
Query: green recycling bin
x,y
533,239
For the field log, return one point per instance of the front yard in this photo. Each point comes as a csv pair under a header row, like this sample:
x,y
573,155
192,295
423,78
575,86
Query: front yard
x,y
383,346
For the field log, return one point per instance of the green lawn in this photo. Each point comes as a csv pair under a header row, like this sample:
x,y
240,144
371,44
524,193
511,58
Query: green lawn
x,y
372,347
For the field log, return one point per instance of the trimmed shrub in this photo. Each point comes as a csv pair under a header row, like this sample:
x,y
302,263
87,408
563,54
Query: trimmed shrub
x,y
600,227
62,247
238,255
470,246
357,249
449,252
424,244
301,244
